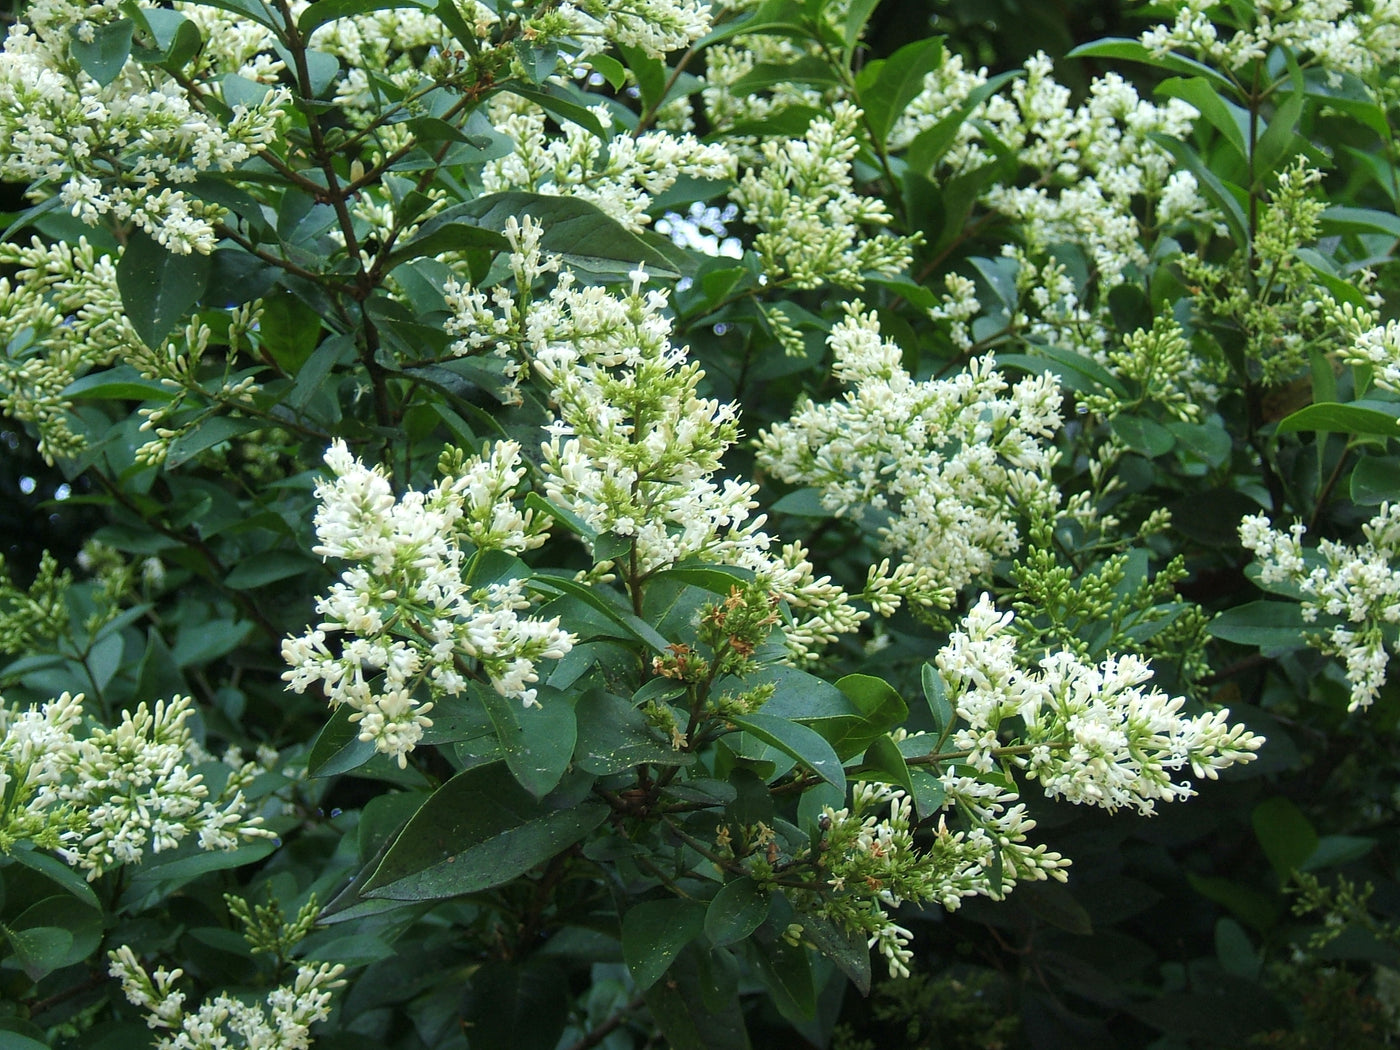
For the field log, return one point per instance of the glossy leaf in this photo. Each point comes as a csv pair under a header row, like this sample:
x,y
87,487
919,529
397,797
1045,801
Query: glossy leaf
x,y
1355,418
158,288
653,934
323,12
736,911
682,1007
883,757
479,830
103,56
613,736
1227,118
537,741
1286,835
886,86
1134,51
794,739
1269,625
877,700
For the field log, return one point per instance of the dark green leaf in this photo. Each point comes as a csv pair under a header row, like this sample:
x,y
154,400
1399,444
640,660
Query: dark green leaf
x,y
886,86
1286,835
1133,51
613,736
805,698
804,503
736,911
929,145
584,235
122,383
632,626
176,38
10,1040
1280,142
1375,479
1353,418
267,567
794,739
189,863
847,950
557,104
1336,850
1234,950
338,747
1053,903
521,1007
1341,219
158,289
40,949
206,435
787,972
1144,436
479,830
537,741
857,15
936,694
1074,370
681,1006
1227,118
773,17
324,11
876,699
929,792
1273,626
102,57
1216,190
884,757
654,932
806,70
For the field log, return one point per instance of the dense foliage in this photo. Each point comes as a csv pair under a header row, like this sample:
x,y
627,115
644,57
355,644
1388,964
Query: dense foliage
x,y
557,524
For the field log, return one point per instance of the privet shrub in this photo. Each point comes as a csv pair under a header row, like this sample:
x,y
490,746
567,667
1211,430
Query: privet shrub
x,y
601,520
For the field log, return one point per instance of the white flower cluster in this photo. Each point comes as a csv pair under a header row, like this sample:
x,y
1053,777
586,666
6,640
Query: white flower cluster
x,y
409,611
620,176
107,797
656,27
1336,35
123,149
1358,584
1095,736
1091,163
726,108
282,1022
801,197
874,865
952,463
634,449
383,45
61,315
1372,344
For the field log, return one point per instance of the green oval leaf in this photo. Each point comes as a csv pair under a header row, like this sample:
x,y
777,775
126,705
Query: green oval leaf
x,y
103,56
1354,418
792,738
1269,625
537,741
654,932
479,830
736,911
158,289
613,736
